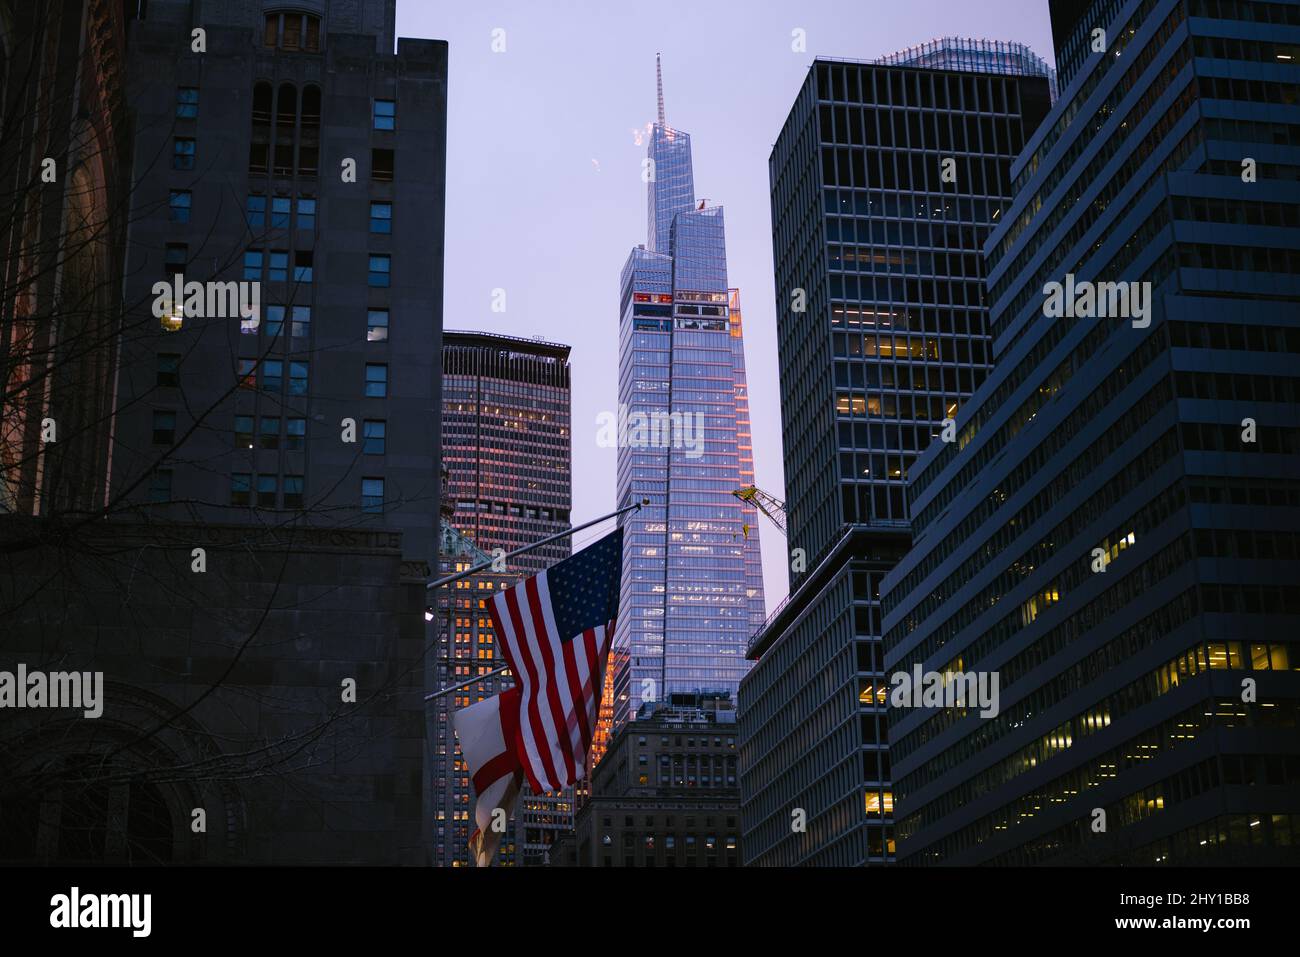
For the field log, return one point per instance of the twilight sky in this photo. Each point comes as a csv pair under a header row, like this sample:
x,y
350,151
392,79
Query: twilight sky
x,y
544,191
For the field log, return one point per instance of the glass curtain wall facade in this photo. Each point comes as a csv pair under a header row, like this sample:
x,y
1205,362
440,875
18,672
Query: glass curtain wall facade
x,y
981,56
1108,534
672,189
886,180
507,461
689,592
745,445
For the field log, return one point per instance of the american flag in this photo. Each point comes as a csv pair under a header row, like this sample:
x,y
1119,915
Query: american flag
x,y
555,629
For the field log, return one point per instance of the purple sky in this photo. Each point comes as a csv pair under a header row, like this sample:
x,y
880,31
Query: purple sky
x,y
544,191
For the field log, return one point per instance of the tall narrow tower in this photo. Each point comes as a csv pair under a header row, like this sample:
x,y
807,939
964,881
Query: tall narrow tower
x,y
688,606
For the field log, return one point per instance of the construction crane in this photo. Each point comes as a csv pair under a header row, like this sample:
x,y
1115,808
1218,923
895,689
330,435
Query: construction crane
x,y
769,505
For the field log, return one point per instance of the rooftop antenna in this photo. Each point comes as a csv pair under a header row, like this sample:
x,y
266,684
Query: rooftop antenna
x,y
659,80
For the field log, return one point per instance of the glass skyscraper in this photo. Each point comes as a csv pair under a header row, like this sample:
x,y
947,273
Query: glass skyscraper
x,y
882,334
691,589
506,457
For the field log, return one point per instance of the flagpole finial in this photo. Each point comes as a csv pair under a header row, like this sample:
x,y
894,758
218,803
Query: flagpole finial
x,y
659,81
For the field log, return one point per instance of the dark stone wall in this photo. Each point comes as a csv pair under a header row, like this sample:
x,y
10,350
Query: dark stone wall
x,y
222,691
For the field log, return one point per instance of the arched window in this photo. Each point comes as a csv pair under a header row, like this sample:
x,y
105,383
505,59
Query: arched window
x,y
292,31
286,110
310,107
94,818
262,104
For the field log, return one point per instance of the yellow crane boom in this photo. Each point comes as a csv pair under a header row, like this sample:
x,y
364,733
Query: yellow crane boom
x,y
769,505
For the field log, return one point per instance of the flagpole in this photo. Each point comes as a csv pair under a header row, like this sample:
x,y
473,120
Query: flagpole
x,y
430,586
487,563
465,684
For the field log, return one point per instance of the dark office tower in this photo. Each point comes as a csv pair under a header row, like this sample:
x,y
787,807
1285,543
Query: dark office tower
x,y
299,152
882,335
1073,45
1115,531
290,167
506,452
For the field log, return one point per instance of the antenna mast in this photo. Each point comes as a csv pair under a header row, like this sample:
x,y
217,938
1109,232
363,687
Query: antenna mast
x,y
659,80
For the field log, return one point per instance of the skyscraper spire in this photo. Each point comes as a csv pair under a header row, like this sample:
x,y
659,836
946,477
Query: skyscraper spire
x,y
659,80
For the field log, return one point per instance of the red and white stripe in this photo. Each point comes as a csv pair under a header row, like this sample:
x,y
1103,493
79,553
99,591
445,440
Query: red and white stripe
x,y
487,734
560,683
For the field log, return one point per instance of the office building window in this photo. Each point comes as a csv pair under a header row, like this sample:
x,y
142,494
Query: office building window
x,y
306,213
311,107
160,485
272,375
302,265
253,264
381,217
183,152
268,435
374,433
278,266
376,325
283,165
301,327
175,258
381,165
241,485
243,431
266,489
280,206
308,164
372,495
385,116
259,157
376,380
380,270
286,107
274,320
297,378
295,32
164,428
246,374
187,103
255,211
293,491
295,434
262,104
168,370
178,206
